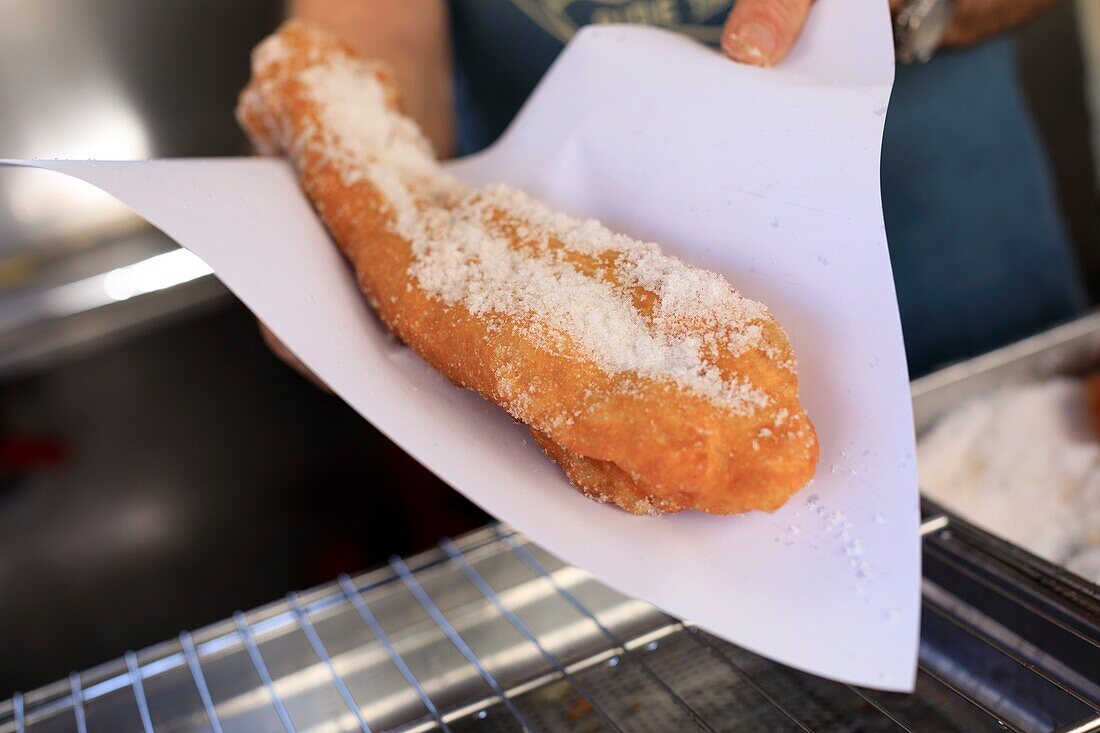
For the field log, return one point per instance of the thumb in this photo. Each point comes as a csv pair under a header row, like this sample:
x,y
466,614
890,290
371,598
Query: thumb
x,y
760,32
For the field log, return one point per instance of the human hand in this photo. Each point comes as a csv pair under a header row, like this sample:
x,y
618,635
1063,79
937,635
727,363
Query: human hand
x,y
977,20
760,32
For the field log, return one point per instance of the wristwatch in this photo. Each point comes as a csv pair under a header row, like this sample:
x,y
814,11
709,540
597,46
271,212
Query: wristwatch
x,y
919,27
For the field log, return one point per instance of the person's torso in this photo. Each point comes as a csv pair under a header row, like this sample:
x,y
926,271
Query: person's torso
x,y
503,47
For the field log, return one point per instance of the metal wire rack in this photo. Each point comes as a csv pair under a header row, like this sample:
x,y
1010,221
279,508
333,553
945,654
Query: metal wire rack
x,y
491,633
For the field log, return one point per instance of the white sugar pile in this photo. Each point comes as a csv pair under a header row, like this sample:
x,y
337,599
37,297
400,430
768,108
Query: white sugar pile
x,y
498,252
1024,463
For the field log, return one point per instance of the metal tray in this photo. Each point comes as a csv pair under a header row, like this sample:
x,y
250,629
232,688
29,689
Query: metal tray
x,y
491,633
1070,349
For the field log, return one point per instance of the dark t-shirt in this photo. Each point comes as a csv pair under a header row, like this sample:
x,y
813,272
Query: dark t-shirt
x,y
504,47
979,252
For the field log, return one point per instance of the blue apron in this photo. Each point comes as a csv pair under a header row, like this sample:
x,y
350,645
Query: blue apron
x,y
979,252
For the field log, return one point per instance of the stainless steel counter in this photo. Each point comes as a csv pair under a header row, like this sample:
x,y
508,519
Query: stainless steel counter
x,y
491,633
111,79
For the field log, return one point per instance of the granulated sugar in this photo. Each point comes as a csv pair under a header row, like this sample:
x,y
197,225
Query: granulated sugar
x,y
836,525
498,252
1023,463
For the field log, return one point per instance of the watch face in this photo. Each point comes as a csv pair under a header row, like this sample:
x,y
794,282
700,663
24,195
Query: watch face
x,y
925,37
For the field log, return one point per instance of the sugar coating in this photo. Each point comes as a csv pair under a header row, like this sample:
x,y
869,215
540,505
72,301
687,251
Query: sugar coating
x,y
498,252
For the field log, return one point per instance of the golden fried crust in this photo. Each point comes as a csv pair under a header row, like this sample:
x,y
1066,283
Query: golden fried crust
x,y
648,445
605,482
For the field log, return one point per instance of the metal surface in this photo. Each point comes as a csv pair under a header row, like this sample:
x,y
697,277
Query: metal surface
x,y
113,80
124,293
1072,348
491,633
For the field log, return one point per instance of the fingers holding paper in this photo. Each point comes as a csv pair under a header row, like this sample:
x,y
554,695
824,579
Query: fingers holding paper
x,y
761,32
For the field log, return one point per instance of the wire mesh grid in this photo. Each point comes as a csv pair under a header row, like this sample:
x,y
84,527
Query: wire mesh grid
x,y
490,633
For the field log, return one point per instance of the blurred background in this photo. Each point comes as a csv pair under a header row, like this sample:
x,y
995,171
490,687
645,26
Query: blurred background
x,y
159,467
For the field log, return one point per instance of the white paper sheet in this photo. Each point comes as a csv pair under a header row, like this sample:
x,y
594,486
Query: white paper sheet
x,y
769,176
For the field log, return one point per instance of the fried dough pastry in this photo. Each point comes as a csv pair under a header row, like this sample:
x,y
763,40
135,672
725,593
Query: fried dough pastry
x,y
1092,399
654,385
